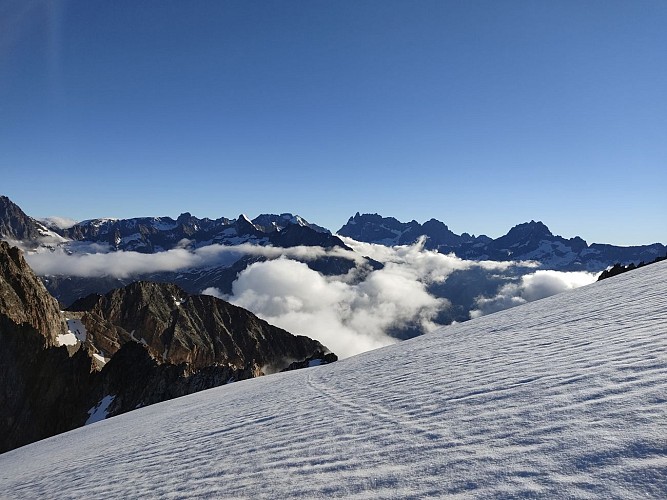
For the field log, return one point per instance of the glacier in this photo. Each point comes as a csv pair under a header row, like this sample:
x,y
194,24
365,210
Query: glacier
x,y
565,397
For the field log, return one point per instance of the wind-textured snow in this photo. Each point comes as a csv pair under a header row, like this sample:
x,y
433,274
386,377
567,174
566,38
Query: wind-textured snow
x,y
565,397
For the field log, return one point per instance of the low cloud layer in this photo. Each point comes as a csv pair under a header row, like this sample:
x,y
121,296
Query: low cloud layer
x,y
352,313
58,222
347,318
534,286
349,313
95,260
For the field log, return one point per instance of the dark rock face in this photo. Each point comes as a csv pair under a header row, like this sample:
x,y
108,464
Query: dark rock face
x,y
295,235
528,241
40,383
15,224
24,299
133,378
42,386
618,268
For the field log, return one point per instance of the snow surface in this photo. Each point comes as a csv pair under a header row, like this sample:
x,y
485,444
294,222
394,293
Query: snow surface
x,y
66,339
100,411
76,333
100,359
77,328
565,397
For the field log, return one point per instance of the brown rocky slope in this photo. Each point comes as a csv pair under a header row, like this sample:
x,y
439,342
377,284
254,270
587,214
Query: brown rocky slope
x,y
159,342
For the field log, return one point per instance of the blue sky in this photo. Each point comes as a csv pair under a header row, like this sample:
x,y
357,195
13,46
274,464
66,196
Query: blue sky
x,y
482,114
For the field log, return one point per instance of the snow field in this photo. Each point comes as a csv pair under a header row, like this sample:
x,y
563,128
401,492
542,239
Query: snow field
x,y
76,333
565,397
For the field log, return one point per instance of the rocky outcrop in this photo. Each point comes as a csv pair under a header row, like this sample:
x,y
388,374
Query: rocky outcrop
x,y
619,268
165,343
15,224
24,299
317,359
40,384
197,330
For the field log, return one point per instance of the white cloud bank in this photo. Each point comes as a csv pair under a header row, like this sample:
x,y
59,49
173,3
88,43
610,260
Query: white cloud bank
x,y
349,313
347,318
534,286
352,313
95,260
58,222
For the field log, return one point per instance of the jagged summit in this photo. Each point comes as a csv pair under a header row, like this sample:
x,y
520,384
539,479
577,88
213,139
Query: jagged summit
x,y
15,225
23,298
153,234
532,228
527,233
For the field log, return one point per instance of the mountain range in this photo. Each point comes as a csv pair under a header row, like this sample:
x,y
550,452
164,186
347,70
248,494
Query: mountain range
x,y
529,241
526,248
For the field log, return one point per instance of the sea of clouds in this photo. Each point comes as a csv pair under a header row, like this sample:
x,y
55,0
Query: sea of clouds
x,y
349,313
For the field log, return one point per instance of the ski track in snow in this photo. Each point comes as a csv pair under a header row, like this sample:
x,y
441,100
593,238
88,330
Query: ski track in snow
x,y
565,397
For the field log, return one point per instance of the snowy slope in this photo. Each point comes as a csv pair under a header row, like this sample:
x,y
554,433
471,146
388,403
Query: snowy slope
x,y
564,398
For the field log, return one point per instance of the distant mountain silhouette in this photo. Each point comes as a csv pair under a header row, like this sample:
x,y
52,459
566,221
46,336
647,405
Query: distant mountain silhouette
x,y
528,241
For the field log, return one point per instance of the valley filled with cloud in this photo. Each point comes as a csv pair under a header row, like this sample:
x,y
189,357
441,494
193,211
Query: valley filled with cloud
x,y
389,293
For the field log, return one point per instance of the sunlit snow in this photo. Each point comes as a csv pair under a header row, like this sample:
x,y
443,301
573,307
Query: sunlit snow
x,y
101,360
565,397
76,333
66,339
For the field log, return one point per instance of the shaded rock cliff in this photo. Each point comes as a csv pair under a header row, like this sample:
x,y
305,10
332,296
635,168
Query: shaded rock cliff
x,y
24,299
40,384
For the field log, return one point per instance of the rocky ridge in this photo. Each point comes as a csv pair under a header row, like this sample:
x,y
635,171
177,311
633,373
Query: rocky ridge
x,y
179,328
15,225
153,234
24,299
132,347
